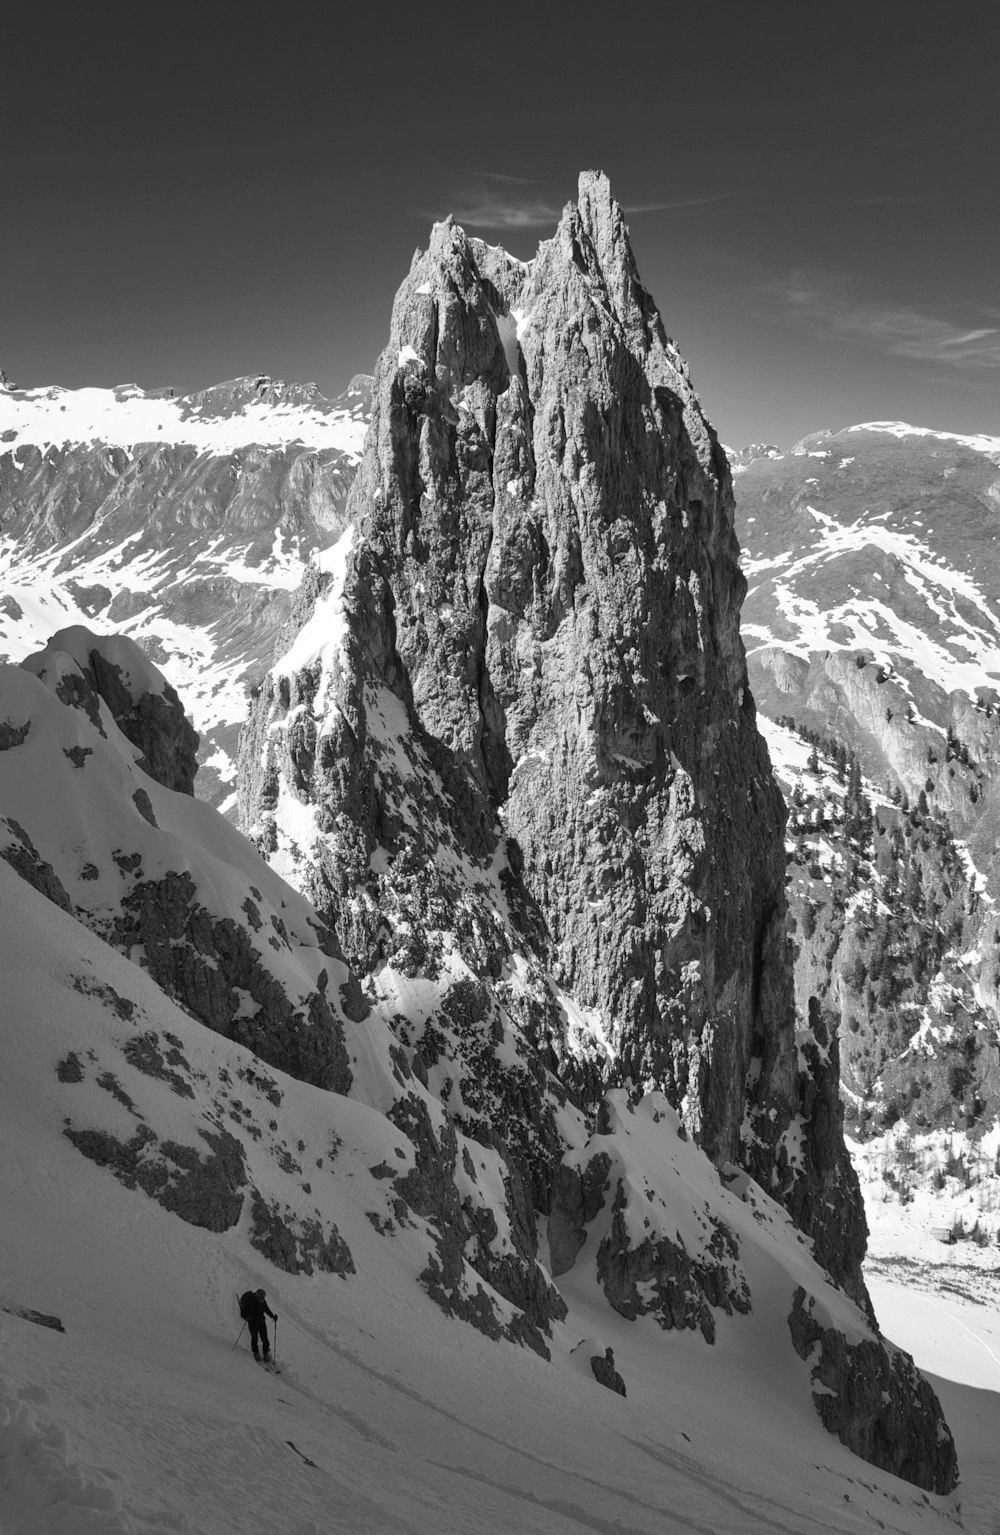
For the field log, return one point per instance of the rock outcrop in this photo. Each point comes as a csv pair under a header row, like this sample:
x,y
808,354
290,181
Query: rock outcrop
x,y
864,1393
511,755
142,703
97,779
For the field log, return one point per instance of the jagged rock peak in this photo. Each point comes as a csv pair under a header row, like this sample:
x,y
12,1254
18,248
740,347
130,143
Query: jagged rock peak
x,y
597,237
586,267
545,574
237,393
742,458
512,755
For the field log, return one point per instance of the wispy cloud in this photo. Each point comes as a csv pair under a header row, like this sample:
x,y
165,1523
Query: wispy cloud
x,y
828,305
493,208
513,181
684,202
873,202
498,201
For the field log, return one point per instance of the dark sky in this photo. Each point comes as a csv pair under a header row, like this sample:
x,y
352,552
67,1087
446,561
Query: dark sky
x,y
195,192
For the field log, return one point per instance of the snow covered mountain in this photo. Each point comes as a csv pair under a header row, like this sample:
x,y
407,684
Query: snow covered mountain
x,y
872,624
184,523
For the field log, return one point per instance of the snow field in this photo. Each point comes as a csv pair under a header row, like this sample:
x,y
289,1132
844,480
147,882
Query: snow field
x,y
141,1418
52,417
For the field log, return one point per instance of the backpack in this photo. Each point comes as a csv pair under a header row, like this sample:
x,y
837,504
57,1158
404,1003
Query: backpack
x,y
247,1305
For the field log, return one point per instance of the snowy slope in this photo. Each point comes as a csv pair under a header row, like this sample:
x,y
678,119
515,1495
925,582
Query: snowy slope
x,y
141,1418
878,537
263,413
150,1168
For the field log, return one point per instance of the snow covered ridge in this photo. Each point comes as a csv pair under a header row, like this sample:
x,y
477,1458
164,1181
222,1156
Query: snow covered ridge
x,y
978,441
267,417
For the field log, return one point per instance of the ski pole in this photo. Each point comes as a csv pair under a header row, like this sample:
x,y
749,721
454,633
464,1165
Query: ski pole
x,y
241,1332
275,1354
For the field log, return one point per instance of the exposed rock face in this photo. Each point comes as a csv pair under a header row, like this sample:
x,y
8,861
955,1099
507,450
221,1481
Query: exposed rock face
x,y
541,602
650,1261
659,1278
210,965
205,1191
865,1394
297,1247
17,848
742,458
603,1366
828,1204
465,1229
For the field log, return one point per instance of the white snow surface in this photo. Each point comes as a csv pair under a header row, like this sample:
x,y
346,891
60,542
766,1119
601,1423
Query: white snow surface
x,y
978,441
320,639
53,417
74,646
142,1418
958,647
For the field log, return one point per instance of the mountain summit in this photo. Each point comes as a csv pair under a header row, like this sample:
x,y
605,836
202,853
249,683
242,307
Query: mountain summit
x,y
511,754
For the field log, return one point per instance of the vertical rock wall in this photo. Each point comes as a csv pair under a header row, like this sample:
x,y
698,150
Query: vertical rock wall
x,y
543,585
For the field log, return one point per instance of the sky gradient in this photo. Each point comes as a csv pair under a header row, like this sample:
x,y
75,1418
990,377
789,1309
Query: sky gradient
x,y
196,192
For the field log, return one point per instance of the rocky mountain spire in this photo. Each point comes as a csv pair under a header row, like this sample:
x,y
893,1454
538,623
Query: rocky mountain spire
x,y
511,752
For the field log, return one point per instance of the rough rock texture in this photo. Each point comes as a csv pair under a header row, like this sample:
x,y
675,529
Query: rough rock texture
x,y
17,848
659,1278
577,1196
872,1397
206,963
603,1366
205,1191
465,1232
154,722
543,601
298,1247
141,702
171,885
828,1204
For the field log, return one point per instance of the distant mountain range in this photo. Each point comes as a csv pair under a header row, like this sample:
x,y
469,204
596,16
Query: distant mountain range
x,y
185,523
